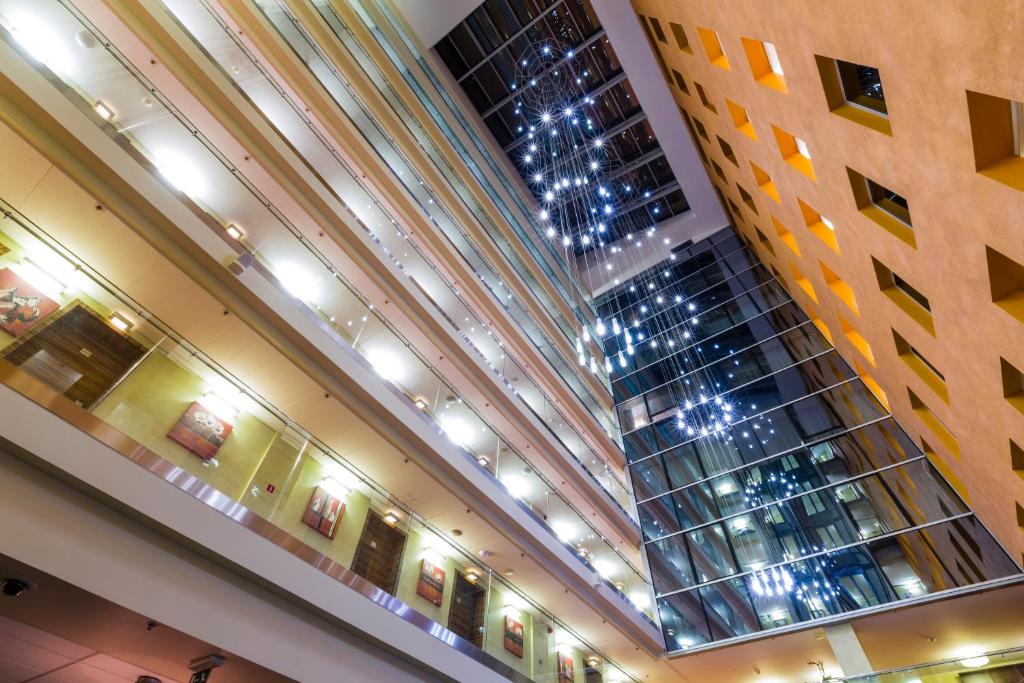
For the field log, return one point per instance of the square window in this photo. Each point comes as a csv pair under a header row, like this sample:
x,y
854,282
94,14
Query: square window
x,y
1006,281
659,32
785,236
765,64
803,283
920,366
682,42
713,48
839,287
764,240
938,427
854,91
680,83
794,151
741,120
727,151
893,204
882,205
818,225
747,199
862,86
908,298
765,182
857,340
701,130
997,132
1013,384
703,97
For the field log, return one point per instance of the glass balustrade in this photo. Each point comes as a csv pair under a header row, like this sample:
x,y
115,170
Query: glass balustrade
x,y
142,379
294,33
178,152
402,63
209,31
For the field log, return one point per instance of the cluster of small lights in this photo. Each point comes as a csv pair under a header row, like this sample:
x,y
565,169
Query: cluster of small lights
x,y
566,159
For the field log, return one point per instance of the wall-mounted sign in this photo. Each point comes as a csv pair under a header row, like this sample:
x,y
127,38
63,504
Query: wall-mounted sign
x,y
21,304
513,636
323,512
200,431
431,583
566,668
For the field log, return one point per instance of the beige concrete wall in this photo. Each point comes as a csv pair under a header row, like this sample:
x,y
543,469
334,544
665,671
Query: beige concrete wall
x,y
929,55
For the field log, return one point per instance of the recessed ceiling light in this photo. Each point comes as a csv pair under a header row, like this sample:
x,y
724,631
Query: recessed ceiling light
x,y
235,232
974,662
391,517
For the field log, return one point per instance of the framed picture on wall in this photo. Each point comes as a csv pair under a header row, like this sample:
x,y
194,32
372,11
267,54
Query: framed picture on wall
x,y
431,582
323,512
21,304
513,636
566,668
200,431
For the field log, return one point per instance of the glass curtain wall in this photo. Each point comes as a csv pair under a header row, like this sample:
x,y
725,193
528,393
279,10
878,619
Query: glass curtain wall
x,y
773,488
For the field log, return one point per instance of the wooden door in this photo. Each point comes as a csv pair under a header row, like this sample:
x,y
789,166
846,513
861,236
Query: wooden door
x,y
77,354
466,615
378,556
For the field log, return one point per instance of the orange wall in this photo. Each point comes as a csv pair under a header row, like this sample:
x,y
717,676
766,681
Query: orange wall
x,y
929,55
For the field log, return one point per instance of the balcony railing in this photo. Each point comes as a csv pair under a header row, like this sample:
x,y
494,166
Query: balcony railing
x,y
178,413
209,30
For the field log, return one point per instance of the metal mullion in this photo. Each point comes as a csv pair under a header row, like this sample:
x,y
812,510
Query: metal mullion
x,y
703,340
487,57
773,456
830,349
804,558
714,362
674,283
586,43
746,419
604,87
764,506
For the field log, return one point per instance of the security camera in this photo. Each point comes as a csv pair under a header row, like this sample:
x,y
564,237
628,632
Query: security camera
x,y
14,588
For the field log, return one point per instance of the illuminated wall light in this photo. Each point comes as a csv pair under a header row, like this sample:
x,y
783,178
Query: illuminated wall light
x,y
641,600
120,322
42,43
234,232
974,661
516,485
421,403
180,171
564,531
482,461
219,406
335,487
457,430
297,281
103,110
386,364
39,278
391,517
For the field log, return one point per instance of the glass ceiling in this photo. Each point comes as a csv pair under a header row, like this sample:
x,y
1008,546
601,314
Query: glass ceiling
x,y
483,53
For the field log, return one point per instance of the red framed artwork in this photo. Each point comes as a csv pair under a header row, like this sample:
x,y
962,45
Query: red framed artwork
x,y
200,431
323,512
513,636
566,668
21,304
431,583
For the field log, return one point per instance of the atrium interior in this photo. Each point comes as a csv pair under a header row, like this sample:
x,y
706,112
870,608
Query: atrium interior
x,y
565,341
